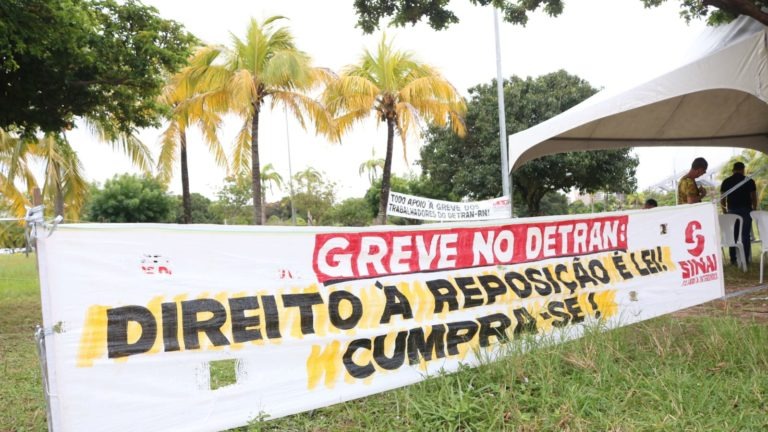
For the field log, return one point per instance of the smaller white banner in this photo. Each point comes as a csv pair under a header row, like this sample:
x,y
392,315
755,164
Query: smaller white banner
x,y
414,207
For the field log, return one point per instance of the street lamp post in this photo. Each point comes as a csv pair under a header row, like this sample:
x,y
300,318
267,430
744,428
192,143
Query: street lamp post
x,y
506,178
290,169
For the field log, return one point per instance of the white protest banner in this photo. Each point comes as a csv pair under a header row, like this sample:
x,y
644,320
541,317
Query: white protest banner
x,y
138,316
414,207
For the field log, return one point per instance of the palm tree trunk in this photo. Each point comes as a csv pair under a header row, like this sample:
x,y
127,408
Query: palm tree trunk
x,y
381,219
263,211
255,167
58,201
186,199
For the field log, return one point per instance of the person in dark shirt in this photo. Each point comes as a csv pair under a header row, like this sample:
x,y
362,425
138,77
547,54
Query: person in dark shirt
x,y
740,202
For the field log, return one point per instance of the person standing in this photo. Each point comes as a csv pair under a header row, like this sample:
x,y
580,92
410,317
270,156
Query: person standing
x,y
740,202
688,192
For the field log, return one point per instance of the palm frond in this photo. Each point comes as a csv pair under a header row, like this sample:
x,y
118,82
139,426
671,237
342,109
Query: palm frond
x,y
16,199
300,105
350,93
241,154
169,142
269,177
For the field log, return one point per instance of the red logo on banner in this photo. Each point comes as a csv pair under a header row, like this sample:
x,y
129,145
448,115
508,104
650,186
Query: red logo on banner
x,y
155,264
692,237
700,268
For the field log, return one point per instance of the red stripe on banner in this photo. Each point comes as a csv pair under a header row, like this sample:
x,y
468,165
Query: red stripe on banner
x,y
344,256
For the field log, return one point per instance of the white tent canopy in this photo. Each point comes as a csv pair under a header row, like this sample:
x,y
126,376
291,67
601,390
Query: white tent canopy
x,y
717,98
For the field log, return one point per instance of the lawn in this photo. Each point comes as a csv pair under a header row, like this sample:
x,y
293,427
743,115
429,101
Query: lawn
x,y
705,369
22,405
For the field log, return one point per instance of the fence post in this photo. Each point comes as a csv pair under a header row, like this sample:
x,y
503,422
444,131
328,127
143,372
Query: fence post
x,y
37,197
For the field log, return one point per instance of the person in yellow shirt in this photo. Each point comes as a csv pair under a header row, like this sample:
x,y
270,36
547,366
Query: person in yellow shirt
x,y
688,191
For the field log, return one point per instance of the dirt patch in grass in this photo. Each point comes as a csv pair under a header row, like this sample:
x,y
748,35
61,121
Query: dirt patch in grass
x,y
746,303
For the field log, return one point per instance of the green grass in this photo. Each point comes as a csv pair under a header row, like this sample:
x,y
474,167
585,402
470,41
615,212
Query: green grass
x,y
703,372
22,405
696,374
736,278
18,277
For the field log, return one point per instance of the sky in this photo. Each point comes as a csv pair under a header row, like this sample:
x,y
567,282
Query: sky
x,y
609,43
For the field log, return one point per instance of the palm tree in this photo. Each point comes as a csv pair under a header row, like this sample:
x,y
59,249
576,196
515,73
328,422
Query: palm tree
x,y
64,183
266,66
398,90
14,162
269,177
184,94
64,179
371,166
308,178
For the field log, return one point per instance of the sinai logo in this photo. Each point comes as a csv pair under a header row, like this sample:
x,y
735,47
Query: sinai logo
x,y
699,268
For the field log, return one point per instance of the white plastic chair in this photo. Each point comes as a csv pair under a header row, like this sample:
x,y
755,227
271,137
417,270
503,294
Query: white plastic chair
x,y
728,224
761,218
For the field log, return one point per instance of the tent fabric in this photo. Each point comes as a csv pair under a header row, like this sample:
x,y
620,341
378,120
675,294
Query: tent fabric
x,y
718,97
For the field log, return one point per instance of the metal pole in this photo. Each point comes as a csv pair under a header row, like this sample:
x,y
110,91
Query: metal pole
x,y
674,182
290,169
506,177
42,356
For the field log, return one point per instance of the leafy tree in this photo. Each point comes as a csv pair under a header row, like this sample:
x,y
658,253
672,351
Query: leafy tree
x,y
612,202
437,14
12,235
718,11
183,96
578,207
350,212
399,91
406,185
265,66
314,197
11,232
635,200
603,170
273,212
233,206
131,198
201,210
471,167
552,203
61,59
668,198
